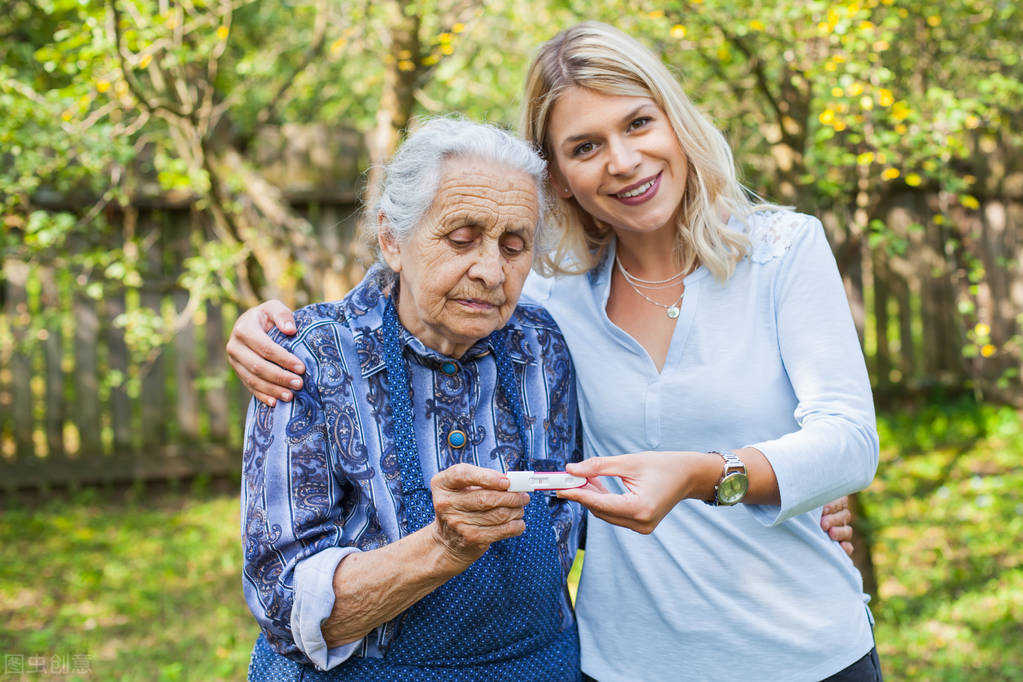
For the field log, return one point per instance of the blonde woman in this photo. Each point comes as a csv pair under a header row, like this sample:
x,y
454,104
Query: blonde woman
x,y
721,386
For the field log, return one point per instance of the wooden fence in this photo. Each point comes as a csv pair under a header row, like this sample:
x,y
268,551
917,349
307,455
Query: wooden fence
x,y
75,408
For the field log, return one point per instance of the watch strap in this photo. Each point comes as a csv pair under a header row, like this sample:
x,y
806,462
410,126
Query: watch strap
x,y
733,465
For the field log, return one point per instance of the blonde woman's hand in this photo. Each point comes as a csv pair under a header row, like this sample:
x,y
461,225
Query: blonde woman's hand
x,y
836,520
261,364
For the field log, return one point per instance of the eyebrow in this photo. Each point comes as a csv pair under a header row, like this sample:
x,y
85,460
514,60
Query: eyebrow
x,y
626,117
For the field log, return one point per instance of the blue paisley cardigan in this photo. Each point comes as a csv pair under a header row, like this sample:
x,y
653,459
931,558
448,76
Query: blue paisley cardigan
x,y
320,475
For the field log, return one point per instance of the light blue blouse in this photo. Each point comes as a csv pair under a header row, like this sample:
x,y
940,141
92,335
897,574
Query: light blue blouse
x,y
769,359
320,475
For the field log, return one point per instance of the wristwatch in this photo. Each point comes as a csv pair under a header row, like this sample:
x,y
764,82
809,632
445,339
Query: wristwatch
x,y
733,484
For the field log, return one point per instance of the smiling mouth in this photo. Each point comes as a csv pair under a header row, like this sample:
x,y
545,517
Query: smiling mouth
x,y
638,190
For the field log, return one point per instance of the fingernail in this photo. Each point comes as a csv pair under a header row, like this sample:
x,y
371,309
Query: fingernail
x,y
285,396
298,368
273,402
296,383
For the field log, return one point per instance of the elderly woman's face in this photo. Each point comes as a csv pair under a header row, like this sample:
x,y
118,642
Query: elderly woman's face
x,y
462,270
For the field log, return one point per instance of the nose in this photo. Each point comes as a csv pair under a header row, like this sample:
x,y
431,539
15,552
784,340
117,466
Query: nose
x,y
488,268
623,157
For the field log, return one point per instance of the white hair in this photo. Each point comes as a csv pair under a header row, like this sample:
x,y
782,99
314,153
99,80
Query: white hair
x,y
411,178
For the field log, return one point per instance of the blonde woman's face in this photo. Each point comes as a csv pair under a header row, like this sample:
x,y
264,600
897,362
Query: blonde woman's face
x,y
619,157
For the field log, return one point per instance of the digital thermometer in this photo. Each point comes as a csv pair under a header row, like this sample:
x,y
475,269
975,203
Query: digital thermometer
x,y
528,481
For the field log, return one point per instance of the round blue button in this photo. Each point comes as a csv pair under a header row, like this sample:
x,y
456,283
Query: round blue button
x,y
449,368
456,438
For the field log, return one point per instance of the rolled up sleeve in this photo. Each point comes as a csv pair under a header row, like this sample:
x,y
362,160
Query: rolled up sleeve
x,y
291,525
835,450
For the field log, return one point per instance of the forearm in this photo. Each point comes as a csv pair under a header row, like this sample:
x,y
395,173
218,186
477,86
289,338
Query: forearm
x,y
374,587
700,472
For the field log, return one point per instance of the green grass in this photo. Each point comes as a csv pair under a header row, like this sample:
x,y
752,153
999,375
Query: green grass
x,y
147,587
147,584
947,513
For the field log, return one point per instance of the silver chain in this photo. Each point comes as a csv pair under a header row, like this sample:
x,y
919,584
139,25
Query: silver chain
x,y
672,310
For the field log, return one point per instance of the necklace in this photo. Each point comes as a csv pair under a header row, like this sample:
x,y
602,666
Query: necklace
x,y
672,310
665,283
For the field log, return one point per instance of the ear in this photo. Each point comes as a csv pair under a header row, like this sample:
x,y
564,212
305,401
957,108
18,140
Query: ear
x,y
557,181
389,247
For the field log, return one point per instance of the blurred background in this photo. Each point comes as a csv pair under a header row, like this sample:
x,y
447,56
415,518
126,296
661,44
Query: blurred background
x,y
165,164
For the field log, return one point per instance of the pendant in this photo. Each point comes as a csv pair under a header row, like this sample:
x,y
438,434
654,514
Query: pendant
x,y
672,312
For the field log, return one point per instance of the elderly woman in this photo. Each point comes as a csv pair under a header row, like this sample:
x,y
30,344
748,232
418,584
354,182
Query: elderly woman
x,y
427,372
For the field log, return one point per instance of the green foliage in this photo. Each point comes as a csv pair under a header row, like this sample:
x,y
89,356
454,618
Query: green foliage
x,y
947,515
835,107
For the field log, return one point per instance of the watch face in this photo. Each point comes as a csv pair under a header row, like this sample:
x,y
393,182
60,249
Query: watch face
x,y
732,488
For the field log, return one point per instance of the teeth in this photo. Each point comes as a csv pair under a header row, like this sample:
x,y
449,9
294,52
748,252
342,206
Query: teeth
x,y
636,192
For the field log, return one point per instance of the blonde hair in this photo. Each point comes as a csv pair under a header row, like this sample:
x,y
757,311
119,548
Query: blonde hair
x,y
601,58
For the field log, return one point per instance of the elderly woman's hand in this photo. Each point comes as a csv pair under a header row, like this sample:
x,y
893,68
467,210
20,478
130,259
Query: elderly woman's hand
x,y
473,509
259,362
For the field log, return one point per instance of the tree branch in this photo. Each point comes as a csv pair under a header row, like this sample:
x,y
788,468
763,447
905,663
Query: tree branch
x,y
269,113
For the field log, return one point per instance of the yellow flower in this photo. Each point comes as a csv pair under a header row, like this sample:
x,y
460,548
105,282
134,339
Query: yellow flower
x,y
756,25
969,201
865,159
900,112
901,129
838,59
938,220
338,45
678,31
826,117
866,26
890,173
972,122
934,20
982,329
824,27
914,180
839,125
881,46
103,85
656,14
885,97
67,115
430,60
444,38
145,60
458,28
855,89
987,350
837,92
866,103
222,33
830,66
404,54
406,65
447,49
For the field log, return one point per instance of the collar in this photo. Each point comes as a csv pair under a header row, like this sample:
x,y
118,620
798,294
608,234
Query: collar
x,y
364,309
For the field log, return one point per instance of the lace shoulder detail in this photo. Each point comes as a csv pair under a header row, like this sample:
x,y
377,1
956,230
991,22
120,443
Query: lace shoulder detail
x,y
771,233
